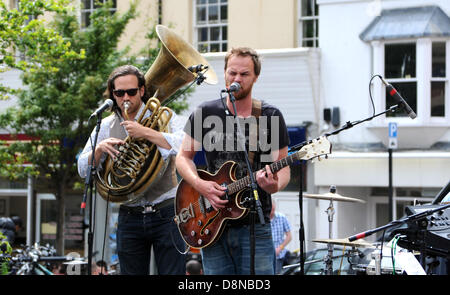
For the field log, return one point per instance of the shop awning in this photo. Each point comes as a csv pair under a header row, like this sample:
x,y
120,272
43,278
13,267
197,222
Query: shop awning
x,y
413,22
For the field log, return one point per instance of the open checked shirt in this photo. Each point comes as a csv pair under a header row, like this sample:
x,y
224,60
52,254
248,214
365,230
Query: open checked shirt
x,y
280,226
174,138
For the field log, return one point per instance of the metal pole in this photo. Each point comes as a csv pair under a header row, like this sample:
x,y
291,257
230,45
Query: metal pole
x,y
30,210
390,186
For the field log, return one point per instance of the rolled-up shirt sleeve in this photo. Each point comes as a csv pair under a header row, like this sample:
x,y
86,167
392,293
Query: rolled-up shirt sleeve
x,y
83,158
175,137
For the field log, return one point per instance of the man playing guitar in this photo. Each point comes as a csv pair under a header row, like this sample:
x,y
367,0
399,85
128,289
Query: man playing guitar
x,y
230,253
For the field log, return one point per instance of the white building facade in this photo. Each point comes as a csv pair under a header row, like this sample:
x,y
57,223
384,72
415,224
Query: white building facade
x,y
347,49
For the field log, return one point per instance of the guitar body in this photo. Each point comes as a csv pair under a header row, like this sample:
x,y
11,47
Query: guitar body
x,y
198,222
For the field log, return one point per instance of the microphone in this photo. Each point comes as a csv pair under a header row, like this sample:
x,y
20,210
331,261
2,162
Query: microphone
x,y
234,87
197,68
106,105
398,98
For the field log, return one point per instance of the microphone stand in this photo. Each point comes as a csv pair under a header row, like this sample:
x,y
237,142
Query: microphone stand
x,y
301,233
349,125
411,218
296,147
255,202
89,185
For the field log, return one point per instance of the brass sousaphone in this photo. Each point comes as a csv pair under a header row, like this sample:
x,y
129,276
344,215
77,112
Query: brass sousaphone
x,y
140,164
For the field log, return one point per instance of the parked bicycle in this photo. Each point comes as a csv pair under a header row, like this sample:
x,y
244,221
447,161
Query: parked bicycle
x,y
33,260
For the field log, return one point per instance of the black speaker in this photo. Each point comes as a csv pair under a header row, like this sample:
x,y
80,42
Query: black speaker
x,y
335,120
327,114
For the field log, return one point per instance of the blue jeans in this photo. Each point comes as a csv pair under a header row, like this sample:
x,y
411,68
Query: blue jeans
x,y
136,233
230,254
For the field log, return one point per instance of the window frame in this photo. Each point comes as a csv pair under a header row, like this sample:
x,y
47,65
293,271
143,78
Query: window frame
x,y
91,9
423,81
208,25
302,20
445,79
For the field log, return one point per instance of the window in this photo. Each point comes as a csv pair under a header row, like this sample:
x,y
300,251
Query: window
x,y
421,79
411,48
211,17
308,24
400,71
438,75
88,6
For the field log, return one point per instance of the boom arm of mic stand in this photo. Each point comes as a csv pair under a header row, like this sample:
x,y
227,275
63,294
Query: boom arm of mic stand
x,y
407,219
347,125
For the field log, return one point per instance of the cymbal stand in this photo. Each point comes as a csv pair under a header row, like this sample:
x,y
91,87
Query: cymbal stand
x,y
298,146
329,258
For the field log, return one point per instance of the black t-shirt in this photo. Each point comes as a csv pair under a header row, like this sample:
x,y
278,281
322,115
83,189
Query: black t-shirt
x,y
213,125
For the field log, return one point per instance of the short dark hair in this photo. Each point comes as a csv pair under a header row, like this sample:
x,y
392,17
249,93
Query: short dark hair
x,y
17,220
102,263
124,71
245,51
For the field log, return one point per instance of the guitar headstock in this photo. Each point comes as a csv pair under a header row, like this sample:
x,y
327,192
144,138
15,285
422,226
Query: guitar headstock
x,y
315,148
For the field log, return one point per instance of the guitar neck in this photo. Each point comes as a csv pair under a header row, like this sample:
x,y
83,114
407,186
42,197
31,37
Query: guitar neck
x,y
275,167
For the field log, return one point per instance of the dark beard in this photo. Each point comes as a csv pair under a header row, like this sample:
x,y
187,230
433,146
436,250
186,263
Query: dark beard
x,y
241,94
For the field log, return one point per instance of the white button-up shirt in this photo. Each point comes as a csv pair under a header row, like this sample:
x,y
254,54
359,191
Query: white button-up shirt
x,y
174,139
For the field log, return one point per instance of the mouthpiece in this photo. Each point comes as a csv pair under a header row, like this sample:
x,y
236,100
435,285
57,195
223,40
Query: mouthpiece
x,y
126,105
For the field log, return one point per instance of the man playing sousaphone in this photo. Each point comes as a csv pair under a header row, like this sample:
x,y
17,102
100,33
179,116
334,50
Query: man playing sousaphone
x,y
145,220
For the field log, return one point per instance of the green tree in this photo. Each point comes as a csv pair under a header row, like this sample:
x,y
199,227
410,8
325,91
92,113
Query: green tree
x,y
55,104
28,44
63,85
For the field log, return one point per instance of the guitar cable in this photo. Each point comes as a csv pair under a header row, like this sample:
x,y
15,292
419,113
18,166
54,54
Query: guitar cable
x,y
188,248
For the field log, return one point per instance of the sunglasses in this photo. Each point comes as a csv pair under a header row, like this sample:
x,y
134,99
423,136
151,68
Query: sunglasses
x,y
121,92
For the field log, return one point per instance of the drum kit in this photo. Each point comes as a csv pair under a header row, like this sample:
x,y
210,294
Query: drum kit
x,y
353,248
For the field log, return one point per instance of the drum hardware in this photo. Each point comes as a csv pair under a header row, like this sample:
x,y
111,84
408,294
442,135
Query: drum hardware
x,y
330,212
312,261
331,196
345,242
349,254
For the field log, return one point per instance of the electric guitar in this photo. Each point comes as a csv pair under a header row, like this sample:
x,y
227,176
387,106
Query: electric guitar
x,y
199,223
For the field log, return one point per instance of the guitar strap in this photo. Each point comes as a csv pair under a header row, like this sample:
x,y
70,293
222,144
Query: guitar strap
x,y
253,142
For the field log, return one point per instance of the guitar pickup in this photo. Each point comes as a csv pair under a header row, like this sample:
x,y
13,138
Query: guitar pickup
x,y
205,205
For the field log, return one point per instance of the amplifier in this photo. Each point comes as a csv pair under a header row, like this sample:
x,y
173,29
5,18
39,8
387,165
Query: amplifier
x,y
430,234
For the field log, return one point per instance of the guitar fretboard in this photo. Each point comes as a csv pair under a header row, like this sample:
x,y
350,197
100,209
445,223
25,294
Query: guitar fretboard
x,y
244,182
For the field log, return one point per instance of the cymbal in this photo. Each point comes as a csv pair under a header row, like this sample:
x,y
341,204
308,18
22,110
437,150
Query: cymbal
x,y
345,242
332,197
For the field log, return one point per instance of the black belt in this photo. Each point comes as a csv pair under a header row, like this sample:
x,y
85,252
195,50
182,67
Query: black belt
x,y
146,209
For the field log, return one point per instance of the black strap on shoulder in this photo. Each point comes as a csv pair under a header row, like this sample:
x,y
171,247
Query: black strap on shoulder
x,y
253,143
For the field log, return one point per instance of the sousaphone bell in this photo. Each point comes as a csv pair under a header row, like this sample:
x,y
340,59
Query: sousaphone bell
x,y
139,163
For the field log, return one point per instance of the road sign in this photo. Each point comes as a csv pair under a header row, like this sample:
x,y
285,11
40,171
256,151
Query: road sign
x,y
392,135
